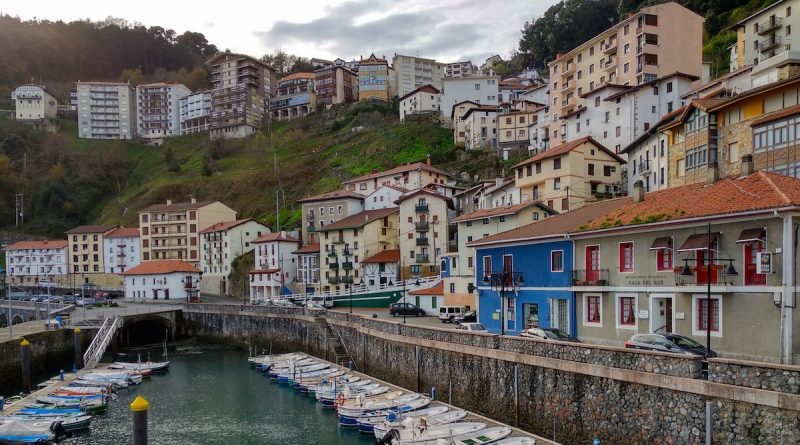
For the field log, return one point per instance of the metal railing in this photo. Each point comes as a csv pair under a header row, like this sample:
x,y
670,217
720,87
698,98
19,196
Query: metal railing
x,y
409,284
101,341
582,277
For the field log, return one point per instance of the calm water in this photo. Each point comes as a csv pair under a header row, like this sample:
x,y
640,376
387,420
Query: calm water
x,y
211,396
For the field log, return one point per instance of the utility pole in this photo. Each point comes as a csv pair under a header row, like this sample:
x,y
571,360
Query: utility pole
x,y
19,209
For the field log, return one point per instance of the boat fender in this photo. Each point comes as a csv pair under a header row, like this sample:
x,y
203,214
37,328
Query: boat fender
x,y
340,399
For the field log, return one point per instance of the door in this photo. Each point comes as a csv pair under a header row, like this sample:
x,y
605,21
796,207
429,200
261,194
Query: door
x,y
511,313
751,251
705,266
531,313
661,315
592,263
508,271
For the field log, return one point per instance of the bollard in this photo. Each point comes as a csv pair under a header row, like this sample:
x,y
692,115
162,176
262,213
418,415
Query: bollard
x,y
25,353
350,365
61,374
139,409
433,393
78,352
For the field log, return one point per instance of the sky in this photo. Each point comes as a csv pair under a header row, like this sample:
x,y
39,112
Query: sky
x,y
447,30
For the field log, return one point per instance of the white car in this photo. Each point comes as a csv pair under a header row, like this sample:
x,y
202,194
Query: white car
x,y
473,327
52,323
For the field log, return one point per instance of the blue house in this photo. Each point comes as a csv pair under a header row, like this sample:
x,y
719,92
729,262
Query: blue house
x,y
524,275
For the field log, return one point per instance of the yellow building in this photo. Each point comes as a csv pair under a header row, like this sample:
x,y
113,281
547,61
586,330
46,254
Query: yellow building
x,y
568,176
86,248
373,79
424,232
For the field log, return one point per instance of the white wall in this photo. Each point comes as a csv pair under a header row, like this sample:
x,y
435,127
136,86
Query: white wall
x,y
483,90
383,198
32,102
148,287
36,262
113,247
421,101
219,249
114,103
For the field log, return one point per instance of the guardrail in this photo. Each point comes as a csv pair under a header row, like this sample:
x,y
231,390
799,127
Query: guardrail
x,y
101,341
410,284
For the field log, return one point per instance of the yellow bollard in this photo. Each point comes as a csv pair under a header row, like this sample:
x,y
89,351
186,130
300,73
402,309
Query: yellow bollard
x,y
139,408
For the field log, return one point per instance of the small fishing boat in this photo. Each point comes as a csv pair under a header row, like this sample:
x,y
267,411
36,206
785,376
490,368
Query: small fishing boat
x,y
325,383
82,390
392,418
13,432
348,415
278,367
269,359
69,423
517,441
483,437
331,390
95,383
141,367
47,412
89,404
304,381
124,376
366,422
431,420
378,394
414,434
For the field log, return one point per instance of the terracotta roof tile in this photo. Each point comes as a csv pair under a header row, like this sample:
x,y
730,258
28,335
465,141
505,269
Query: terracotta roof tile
x,y
294,76
400,169
176,206
385,256
225,225
776,115
336,194
28,245
359,219
124,232
310,248
562,149
423,89
98,228
275,237
162,267
437,289
498,211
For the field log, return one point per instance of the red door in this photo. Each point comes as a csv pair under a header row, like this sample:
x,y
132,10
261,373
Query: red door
x,y
508,270
705,260
751,251
592,263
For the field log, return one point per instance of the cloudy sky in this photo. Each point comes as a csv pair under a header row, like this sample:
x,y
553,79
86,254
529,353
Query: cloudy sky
x,y
447,30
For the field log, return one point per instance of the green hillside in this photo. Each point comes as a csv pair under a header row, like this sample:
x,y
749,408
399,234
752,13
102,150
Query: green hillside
x,y
68,181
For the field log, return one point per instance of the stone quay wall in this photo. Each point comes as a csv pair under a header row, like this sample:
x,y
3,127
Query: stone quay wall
x,y
567,392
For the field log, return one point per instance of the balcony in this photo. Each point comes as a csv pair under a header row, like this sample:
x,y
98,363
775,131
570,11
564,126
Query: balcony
x,y
332,253
769,44
347,265
769,26
333,266
569,69
310,217
422,241
333,280
597,277
642,167
421,226
421,208
346,280
610,48
422,258
701,277
609,65
346,252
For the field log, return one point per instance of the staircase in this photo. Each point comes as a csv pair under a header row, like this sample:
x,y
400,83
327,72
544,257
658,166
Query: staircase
x,y
340,355
101,341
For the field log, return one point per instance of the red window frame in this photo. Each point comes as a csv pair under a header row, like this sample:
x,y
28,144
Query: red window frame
x,y
627,311
593,309
626,256
701,314
664,258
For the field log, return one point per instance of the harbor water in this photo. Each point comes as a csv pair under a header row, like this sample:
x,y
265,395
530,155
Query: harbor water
x,y
211,396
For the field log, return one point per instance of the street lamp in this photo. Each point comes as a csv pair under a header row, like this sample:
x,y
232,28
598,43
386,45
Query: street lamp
x,y
501,282
686,271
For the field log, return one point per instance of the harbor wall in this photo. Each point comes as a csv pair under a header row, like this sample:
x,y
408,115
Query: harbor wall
x,y
50,352
566,392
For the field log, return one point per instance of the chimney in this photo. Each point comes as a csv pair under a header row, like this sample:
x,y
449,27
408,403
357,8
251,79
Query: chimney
x,y
169,201
373,171
747,165
194,200
713,173
638,191
498,182
429,159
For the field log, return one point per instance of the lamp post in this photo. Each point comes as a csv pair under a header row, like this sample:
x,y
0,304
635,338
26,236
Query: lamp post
x,y
710,262
501,282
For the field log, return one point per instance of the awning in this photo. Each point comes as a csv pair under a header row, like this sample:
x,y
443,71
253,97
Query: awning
x,y
698,241
751,235
665,242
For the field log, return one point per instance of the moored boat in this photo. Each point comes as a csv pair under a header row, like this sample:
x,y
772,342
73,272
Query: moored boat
x,y
517,441
412,434
15,432
369,420
484,436
348,415
431,420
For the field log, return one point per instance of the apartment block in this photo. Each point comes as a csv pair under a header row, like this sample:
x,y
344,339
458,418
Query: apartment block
x,y
308,266
651,43
241,88
121,250
33,103
515,126
86,248
457,120
414,72
423,100
483,90
195,115
32,262
460,69
220,244
295,97
171,231
764,40
327,208
374,79
106,110
424,231
158,110
276,265
335,85
410,176
480,127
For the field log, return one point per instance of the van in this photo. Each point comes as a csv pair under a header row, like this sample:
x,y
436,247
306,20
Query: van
x,y
449,313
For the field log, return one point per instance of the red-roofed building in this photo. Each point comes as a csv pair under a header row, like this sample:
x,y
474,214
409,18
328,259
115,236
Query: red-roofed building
x,y
220,245
327,208
410,176
121,250
31,262
424,99
308,266
275,265
381,269
162,280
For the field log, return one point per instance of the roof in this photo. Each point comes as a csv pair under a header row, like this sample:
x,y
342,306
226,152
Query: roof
x,y
691,77
578,110
225,225
487,108
776,115
742,21
29,245
556,225
310,248
238,57
423,89
425,191
269,237
453,108
500,211
336,194
359,219
758,191
717,80
98,228
309,76
384,256
123,232
437,289
176,206
162,267
603,87
400,169
566,148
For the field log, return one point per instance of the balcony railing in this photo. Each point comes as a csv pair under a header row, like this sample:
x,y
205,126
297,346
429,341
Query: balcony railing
x,y
421,208
333,280
338,241
333,266
421,226
347,265
768,44
597,277
422,258
701,277
346,280
332,253
768,26
422,241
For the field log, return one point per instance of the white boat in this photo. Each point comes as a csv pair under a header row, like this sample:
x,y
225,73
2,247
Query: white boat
x,y
413,434
270,359
517,441
484,436
141,366
367,422
431,421
82,390
350,392
114,377
19,432
349,416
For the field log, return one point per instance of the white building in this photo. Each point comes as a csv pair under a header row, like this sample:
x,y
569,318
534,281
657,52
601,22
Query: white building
x,y
412,73
424,99
121,250
460,69
480,127
106,110
503,193
33,103
162,280
29,262
308,266
384,197
195,112
276,265
381,269
222,243
158,110
615,115
483,90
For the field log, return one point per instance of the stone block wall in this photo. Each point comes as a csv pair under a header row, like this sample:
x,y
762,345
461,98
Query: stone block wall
x,y
781,378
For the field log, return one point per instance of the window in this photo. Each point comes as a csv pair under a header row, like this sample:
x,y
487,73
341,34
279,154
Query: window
x,y
626,311
556,261
618,130
733,151
626,50
477,87
557,161
626,30
609,169
593,309
664,257
564,204
452,288
626,257
487,266
591,169
538,167
696,157
557,184
700,315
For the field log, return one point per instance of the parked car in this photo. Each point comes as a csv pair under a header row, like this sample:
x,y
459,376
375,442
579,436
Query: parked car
x,y
53,300
548,334
38,298
674,343
53,323
449,313
87,302
472,327
396,309
466,317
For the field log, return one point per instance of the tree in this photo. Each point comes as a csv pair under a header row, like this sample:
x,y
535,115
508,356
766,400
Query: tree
x,y
134,77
